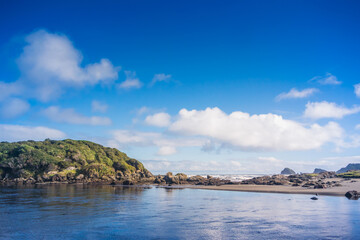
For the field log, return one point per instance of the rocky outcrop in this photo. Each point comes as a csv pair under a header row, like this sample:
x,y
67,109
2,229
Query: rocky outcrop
x,y
68,161
319,170
315,181
287,171
182,178
349,167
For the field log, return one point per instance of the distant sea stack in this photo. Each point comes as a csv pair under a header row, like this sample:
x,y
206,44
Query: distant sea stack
x,y
319,170
288,171
349,167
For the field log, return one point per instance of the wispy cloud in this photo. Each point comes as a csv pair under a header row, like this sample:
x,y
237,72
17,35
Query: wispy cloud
x,y
70,116
317,110
327,79
13,107
97,106
357,89
167,144
294,93
20,133
160,77
131,81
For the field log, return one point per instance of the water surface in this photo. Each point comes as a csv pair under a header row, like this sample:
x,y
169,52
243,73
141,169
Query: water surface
x,y
108,212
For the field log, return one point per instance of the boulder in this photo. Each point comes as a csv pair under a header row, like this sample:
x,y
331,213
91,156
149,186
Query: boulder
x,y
352,195
80,177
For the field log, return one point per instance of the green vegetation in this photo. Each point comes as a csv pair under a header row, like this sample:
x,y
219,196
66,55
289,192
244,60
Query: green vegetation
x,y
67,157
312,174
350,174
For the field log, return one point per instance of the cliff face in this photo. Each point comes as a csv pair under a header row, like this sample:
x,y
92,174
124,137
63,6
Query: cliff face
x,y
349,167
67,160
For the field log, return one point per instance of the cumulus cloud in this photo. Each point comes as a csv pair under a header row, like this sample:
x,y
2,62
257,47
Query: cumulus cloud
x,y
131,81
70,116
12,133
13,107
357,89
254,132
328,79
159,119
294,93
317,110
50,62
97,106
161,77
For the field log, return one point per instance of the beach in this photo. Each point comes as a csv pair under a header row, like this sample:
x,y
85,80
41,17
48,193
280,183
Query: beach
x,y
346,185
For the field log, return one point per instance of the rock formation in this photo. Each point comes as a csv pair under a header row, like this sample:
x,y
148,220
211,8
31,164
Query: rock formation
x,y
287,171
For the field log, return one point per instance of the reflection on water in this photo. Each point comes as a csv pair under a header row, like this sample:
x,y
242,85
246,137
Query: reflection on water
x,y
107,212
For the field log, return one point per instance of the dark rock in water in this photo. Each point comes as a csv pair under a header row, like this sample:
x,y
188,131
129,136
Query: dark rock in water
x,y
288,171
319,170
349,167
314,198
352,195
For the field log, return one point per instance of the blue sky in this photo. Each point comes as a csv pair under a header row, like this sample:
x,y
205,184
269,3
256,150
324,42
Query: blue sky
x,y
193,86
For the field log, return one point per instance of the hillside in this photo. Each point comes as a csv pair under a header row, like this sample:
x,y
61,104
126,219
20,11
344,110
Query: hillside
x,y
67,160
349,167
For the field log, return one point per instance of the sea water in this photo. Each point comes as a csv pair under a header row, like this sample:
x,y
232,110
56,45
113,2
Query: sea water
x,y
116,212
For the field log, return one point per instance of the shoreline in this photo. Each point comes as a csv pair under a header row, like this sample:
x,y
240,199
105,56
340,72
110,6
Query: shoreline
x,y
334,191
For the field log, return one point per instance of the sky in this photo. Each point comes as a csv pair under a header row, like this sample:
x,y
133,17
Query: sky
x,y
187,86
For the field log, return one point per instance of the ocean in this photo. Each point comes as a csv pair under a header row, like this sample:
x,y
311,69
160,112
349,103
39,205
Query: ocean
x,y
116,212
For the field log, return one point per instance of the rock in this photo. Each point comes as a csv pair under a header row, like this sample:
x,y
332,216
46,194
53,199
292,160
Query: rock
x,y
105,178
70,168
52,172
128,182
80,177
314,198
319,170
352,195
287,171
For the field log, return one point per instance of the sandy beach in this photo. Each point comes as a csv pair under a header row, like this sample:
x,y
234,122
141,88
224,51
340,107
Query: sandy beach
x,y
347,185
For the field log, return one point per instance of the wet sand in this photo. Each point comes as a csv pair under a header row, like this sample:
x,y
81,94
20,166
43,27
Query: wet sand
x,y
347,185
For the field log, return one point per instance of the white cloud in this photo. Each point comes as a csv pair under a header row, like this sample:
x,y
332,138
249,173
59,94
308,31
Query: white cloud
x,y
317,110
357,127
70,116
10,89
159,119
167,144
357,89
254,132
50,62
161,77
97,106
328,79
20,133
142,110
13,107
131,81
294,93
166,150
